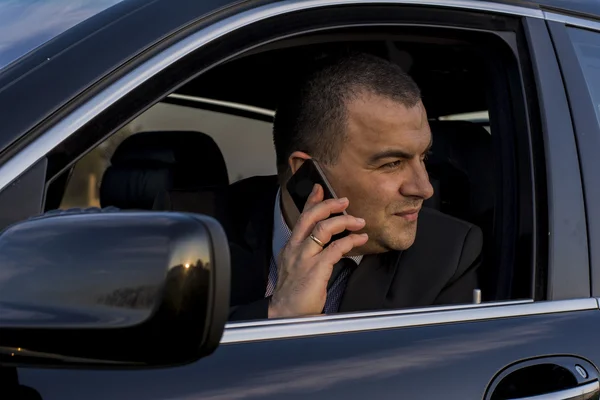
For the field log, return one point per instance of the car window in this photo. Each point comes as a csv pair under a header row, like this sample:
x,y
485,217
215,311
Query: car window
x,y
463,166
245,142
481,118
481,209
587,48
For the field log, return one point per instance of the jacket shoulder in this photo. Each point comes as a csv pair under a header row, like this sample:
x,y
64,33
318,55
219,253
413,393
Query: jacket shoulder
x,y
432,220
444,248
446,239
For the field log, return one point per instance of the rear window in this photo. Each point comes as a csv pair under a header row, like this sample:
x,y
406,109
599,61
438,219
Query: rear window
x,y
27,24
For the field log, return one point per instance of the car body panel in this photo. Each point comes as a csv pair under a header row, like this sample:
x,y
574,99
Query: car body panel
x,y
567,229
86,54
589,8
25,25
587,128
453,361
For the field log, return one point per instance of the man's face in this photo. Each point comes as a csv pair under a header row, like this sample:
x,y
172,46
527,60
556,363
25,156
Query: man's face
x,y
381,170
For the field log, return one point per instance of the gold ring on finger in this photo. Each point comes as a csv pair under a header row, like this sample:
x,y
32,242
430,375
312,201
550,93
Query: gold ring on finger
x,y
316,240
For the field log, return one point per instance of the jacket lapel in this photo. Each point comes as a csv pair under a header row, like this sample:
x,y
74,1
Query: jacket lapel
x,y
258,234
369,284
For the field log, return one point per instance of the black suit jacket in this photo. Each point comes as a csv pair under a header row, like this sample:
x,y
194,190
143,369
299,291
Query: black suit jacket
x,y
440,267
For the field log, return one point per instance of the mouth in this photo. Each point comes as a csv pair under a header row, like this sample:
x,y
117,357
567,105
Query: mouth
x,y
409,215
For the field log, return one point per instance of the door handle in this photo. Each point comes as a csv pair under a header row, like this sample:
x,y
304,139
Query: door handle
x,y
588,391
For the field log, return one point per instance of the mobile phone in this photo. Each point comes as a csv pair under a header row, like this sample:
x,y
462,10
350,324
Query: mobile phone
x,y
301,184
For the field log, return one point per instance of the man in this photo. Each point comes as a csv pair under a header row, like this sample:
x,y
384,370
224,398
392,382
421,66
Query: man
x,y
362,118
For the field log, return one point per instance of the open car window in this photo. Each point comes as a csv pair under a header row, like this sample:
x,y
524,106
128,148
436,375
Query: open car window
x,y
233,106
242,133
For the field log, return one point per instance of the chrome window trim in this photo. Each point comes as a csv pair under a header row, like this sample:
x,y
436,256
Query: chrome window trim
x,y
364,314
56,134
363,322
236,106
572,21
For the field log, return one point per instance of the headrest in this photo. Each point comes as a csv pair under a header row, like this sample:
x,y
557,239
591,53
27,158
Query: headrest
x,y
462,160
232,205
148,163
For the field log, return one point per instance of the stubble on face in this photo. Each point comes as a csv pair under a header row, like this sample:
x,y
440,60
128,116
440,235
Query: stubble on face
x,y
381,170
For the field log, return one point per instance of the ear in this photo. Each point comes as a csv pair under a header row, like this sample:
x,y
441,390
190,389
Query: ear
x,y
296,160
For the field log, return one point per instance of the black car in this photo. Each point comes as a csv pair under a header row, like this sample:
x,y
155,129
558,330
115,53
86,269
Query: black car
x,y
98,95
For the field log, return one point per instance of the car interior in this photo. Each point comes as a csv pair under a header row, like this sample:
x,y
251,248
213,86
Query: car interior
x,y
473,165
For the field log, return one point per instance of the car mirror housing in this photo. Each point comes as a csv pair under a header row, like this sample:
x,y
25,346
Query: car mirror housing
x,y
113,289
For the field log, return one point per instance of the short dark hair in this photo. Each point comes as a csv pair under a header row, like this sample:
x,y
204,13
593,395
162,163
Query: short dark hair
x,y
312,114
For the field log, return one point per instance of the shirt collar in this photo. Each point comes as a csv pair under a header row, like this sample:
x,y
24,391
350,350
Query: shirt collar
x,y
282,233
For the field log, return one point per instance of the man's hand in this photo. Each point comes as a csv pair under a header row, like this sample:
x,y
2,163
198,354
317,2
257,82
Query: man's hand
x,y
304,267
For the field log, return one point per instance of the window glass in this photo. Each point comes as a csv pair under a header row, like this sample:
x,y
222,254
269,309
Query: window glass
x,y
246,145
587,47
481,118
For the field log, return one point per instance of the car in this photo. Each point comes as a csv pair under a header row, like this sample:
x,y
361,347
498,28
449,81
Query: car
x,y
105,294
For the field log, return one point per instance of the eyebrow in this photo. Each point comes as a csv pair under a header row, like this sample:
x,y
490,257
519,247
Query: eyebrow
x,y
395,153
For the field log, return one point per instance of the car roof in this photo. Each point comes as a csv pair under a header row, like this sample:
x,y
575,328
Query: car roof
x,y
589,8
27,24
35,88
38,63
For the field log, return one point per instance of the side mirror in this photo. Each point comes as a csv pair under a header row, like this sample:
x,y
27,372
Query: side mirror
x,y
113,289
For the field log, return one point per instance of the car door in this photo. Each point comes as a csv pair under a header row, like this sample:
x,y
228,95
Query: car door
x,y
505,350
420,354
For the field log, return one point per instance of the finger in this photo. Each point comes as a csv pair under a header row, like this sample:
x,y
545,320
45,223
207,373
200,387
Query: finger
x,y
314,198
308,219
339,248
324,231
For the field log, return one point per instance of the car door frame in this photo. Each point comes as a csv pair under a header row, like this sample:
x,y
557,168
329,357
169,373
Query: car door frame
x,y
586,126
568,241
566,212
565,299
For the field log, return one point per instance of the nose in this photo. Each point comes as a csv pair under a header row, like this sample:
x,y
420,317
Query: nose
x,y
417,183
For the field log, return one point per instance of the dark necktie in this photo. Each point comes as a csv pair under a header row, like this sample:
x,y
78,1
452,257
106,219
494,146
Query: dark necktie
x,y
337,284
338,268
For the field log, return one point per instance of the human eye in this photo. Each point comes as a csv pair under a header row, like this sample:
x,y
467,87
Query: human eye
x,y
392,165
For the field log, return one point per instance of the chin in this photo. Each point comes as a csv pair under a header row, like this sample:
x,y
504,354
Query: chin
x,y
404,245
400,242
408,244
389,240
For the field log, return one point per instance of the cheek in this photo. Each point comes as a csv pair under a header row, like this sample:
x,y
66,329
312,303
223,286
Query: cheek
x,y
371,195
385,187
389,186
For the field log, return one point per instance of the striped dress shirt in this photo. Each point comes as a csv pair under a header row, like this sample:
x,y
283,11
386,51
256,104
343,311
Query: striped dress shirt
x,y
281,235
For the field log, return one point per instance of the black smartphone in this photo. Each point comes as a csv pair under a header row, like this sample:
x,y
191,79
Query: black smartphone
x,y
301,184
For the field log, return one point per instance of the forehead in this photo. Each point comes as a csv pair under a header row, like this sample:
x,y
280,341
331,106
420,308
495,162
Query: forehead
x,y
375,122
